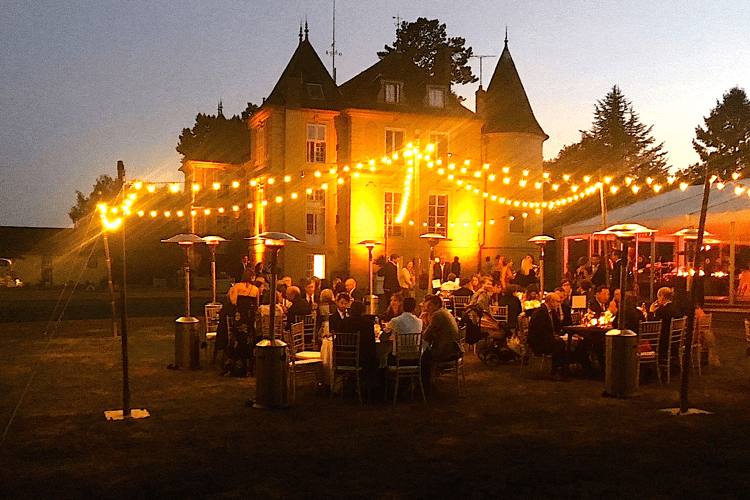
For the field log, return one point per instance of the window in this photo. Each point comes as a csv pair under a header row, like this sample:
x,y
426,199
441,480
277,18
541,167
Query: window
x,y
392,92
315,216
394,140
437,214
516,220
260,141
316,143
440,141
315,91
316,265
436,97
392,208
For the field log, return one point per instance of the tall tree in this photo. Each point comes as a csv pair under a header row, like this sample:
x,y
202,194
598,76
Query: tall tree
x,y
104,191
216,138
724,144
421,40
616,144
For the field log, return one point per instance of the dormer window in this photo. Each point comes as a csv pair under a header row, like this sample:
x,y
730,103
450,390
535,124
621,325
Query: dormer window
x,y
392,92
315,91
436,97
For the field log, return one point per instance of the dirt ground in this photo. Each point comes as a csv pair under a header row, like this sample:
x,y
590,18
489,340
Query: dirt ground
x,y
508,437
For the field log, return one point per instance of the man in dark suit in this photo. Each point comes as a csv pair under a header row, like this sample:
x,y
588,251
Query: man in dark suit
x,y
340,313
299,307
600,302
351,288
456,267
598,271
544,333
358,322
440,271
390,278
665,310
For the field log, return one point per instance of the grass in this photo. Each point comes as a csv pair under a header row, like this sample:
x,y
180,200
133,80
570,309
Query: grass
x,y
509,437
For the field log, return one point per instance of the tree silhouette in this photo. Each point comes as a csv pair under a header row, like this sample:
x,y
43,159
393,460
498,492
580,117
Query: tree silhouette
x,y
421,39
216,138
724,144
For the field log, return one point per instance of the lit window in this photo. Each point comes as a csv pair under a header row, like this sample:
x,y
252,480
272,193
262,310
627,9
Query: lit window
x,y
316,143
392,208
437,214
440,141
394,141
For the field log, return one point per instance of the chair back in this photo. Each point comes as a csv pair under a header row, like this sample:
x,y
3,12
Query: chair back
x,y
459,304
677,331
346,349
408,346
577,316
265,321
308,321
702,327
461,340
297,343
649,331
502,314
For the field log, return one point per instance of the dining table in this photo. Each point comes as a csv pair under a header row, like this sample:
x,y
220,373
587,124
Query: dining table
x,y
594,333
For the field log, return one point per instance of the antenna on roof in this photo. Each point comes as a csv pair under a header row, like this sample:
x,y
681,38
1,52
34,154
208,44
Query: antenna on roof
x,y
506,35
480,66
300,32
333,53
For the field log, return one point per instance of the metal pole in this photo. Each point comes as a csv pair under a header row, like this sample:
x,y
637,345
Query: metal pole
x,y
732,250
653,271
213,274
541,269
124,308
110,284
187,281
687,354
372,298
272,300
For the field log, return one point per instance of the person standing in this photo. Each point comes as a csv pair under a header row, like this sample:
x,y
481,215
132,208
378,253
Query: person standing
x,y
456,267
390,278
406,279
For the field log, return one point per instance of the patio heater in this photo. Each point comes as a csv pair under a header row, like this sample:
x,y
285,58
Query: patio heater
x,y
270,353
625,233
187,328
370,245
212,309
433,239
541,241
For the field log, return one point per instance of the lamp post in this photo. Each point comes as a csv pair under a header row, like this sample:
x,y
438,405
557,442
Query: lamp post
x,y
212,309
625,233
370,245
187,336
270,353
433,239
541,241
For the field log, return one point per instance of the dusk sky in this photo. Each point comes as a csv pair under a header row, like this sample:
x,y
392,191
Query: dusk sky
x,y
85,83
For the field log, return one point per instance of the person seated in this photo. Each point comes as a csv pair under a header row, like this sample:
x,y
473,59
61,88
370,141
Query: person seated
x,y
351,288
406,322
508,298
545,327
527,275
465,290
395,307
299,306
442,331
336,318
358,322
449,285
631,315
479,311
564,310
665,310
600,302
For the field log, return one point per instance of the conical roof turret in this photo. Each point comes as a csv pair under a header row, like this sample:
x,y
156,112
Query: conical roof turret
x,y
505,105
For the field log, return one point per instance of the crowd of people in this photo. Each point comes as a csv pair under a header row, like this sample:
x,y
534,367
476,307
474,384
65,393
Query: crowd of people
x,y
340,305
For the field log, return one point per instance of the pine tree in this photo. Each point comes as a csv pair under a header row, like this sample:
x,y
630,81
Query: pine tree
x,y
724,144
421,39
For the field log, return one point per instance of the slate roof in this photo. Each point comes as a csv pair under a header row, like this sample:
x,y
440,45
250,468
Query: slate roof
x,y
297,86
364,91
507,107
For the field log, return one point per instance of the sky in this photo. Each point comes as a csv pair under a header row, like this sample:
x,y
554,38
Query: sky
x,y
84,83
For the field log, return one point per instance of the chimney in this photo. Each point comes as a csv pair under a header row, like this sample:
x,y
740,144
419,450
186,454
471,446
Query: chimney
x,y
442,66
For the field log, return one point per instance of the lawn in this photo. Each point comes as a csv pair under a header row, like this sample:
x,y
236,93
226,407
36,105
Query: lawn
x,y
508,437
